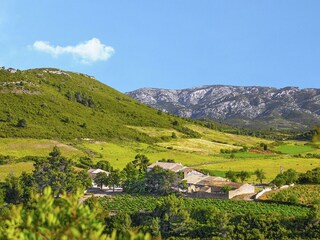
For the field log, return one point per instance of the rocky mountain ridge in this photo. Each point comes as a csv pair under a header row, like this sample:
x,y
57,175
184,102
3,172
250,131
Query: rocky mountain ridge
x,y
255,107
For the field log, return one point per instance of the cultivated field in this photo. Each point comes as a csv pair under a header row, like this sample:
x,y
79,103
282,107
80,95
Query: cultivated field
x,y
200,153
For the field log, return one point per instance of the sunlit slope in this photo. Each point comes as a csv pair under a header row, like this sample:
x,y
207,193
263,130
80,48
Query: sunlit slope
x,y
66,105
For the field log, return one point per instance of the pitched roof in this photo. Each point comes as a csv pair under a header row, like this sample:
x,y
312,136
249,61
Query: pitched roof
x,y
94,171
175,167
216,182
194,179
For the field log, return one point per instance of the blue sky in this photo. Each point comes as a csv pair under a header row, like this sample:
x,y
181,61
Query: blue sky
x,y
167,43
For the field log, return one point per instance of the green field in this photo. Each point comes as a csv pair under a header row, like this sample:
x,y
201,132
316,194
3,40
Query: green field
x,y
201,153
294,149
16,169
130,203
21,147
227,138
270,166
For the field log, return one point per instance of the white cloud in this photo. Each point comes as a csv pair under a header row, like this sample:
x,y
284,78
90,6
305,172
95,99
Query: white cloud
x,y
87,52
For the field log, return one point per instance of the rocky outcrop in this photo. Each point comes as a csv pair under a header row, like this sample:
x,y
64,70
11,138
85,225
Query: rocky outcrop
x,y
254,107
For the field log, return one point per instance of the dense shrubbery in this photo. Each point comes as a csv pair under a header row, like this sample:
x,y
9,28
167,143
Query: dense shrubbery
x,y
45,217
288,177
212,219
55,171
299,194
312,176
291,176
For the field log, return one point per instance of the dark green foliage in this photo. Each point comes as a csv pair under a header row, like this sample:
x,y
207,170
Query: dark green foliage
x,y
5,159
115,178
48,218
288,177
174,135
22,123
141,162
101,179
156,181
312,176
178,218
260,174
232,176
173,216
13,189
104,165
162,182
243,175
167,160
85,162
121,221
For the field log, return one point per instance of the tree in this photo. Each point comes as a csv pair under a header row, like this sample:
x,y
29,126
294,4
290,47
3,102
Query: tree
x,y
55,152
265,147
243,175
161,181
28,186
104,165
13,189
260,174
115,178
101,179
232,176
141,162
312,176
173,216
22,123
288,177
57,172
44,219
121,222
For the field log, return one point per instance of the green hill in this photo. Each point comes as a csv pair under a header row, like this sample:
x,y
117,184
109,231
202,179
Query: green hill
x,y
66,105
43,108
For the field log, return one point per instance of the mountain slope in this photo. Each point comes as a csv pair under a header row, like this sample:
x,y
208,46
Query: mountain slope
x,y
254,107
66,105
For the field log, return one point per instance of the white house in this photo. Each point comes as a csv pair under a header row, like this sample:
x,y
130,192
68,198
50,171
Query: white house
x,y
93,173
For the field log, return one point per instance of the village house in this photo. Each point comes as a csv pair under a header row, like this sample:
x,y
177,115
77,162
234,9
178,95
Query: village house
x,y
93,173
175,167
203,185
216,187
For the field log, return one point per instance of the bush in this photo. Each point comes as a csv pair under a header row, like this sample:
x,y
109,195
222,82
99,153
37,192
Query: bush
x,y
22,123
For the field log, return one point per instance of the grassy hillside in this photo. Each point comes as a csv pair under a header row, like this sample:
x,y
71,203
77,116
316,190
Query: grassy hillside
x,y
66,105
87,118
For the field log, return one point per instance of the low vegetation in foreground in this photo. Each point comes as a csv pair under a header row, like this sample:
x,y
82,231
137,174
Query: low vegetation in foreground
x,y
96,126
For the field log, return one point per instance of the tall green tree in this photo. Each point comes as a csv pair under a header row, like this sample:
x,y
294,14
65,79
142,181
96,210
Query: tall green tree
x,y
232,176
115,178
104,165
260,174
161,181
57,172
243,175
101,179
174,217
141,162
45,218
288,177
13,189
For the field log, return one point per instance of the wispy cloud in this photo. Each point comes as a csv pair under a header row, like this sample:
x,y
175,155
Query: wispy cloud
x,y
87,52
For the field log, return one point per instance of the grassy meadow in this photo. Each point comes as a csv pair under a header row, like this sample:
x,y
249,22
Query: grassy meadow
x,y
200,153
